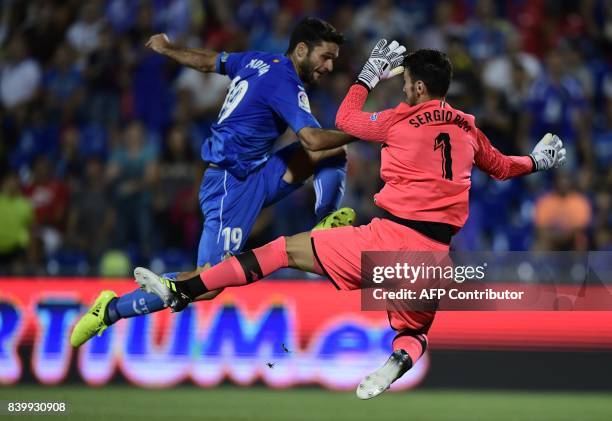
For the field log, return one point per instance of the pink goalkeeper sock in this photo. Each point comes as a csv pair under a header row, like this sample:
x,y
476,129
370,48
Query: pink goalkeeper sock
x,y
414,345
247,267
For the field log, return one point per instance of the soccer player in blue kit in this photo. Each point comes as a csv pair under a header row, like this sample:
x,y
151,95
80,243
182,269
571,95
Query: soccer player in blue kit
x,y
265,97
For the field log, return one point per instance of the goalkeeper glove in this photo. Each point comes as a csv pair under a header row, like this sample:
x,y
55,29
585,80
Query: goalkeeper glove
x,y
548,153
385,61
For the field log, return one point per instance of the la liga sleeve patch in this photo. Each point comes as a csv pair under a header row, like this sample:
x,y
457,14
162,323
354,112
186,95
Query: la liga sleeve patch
x,y
303,101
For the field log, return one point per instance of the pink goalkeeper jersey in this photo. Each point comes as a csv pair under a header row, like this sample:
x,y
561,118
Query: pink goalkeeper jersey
x,y
428,151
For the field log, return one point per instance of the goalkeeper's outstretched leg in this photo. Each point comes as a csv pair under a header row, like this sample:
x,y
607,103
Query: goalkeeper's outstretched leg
x,y
153,297
334,253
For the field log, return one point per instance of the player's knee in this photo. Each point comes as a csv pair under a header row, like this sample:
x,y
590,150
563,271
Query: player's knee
x,y
299,249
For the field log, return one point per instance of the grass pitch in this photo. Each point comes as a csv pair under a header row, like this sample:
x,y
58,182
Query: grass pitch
x,y
231,403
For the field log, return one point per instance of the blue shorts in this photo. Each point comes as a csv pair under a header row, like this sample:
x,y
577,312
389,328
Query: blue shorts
x,y
231,205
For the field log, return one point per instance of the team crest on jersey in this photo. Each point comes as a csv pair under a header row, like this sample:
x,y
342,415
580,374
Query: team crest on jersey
x,y
374,117
303,101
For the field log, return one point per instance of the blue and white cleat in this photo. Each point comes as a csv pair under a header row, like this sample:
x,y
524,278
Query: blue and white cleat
x,y
161,286
377,382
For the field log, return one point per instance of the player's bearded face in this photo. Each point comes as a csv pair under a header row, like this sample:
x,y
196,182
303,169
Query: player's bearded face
x,y
318,62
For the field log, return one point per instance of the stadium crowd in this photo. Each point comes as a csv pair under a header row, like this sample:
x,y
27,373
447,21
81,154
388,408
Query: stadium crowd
x,y
99,150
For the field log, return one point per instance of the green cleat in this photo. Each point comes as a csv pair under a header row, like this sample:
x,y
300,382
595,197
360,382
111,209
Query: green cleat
x,y
343,217
92,322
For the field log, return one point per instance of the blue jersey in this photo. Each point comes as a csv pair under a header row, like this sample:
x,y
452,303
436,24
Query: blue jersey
x,y
265,97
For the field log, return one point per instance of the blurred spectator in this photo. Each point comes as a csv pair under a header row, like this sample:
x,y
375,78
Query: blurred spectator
x,y
276,40
184,115
121,14
607,22
343,20
174,17
17,218
495,118
63,84
49,197
84,34
602,135
256,16
176,195
486,33
301,8
131,172
512,73
602,225
562,217
45,26
464,90
506,81
382,19
91,216
69,163
38,135
151,93
5,19
602,231
578,69
556,104
206,91
20,75
102,75
436,35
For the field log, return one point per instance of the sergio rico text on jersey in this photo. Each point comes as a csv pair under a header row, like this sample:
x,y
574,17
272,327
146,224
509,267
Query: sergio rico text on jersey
x,y
428,151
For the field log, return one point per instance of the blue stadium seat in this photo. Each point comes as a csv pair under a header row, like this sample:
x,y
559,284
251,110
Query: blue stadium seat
x,y
68,263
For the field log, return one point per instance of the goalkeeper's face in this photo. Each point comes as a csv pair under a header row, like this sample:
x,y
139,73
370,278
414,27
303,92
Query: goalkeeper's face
x,y
409,89
318,62
415,91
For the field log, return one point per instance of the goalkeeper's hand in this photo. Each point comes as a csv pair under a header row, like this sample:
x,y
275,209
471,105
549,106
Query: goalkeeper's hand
x,y
385,62
548,153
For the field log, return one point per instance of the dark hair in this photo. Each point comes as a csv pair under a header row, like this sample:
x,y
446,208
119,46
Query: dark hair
x,y
313,31
432,67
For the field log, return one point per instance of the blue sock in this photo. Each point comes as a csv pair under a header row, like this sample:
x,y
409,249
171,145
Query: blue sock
x,y
329,183
136,303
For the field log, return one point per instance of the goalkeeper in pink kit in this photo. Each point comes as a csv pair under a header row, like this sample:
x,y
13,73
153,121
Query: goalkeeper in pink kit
x,y
428,151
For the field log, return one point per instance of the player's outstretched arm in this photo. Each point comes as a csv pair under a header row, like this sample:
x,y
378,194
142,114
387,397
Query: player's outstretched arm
x,y
197,58
314,139
548,153
363,125
384,63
